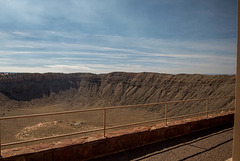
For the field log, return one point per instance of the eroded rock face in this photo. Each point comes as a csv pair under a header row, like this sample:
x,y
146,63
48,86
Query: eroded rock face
x,y
117,88
44,93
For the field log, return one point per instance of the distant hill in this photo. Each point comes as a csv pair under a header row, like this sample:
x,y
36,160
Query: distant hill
x,y
118,88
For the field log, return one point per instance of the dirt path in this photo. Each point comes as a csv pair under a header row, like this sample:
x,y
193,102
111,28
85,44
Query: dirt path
x,y
210,145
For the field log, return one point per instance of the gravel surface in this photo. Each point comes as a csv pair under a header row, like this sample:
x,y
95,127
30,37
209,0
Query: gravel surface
x,y
214,144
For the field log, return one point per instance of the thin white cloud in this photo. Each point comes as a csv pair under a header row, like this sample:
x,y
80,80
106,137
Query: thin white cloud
x,y
128,54
102,68
219,45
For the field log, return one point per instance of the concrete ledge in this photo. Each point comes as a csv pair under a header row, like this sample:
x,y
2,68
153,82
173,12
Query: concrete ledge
x,y
95,145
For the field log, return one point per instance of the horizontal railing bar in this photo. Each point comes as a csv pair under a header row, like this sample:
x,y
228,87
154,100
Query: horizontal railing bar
x,y
186,115
167,102
221,109
48,114
129,106
50,137
220,97
97,109
114,127
137,123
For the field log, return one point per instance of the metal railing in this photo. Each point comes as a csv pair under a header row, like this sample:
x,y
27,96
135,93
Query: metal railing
x,y
105,128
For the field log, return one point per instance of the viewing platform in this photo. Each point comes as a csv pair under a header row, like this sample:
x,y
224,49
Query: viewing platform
x,y
185,139
214,144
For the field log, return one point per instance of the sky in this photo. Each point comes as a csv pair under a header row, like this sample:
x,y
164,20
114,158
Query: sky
x,y
102,36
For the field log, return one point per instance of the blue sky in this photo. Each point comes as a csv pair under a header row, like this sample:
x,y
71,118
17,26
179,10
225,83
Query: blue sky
x,y
101,36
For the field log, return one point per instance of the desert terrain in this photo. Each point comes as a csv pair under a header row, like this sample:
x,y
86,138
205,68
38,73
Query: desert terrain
x,y
25,93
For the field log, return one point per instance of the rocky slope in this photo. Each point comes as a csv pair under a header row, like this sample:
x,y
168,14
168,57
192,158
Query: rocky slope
x,y
23,94
118,88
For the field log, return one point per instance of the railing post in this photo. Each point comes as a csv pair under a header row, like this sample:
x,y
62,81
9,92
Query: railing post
x,y
207,104
166,113
104,122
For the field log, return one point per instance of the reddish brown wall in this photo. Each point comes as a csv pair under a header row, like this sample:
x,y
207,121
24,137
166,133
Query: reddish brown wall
x,y
95,145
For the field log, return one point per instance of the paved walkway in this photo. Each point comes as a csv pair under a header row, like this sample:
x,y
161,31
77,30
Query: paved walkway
x,y
210,145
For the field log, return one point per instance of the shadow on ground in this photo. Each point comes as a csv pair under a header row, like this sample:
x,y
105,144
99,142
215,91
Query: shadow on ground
x,y
211,144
